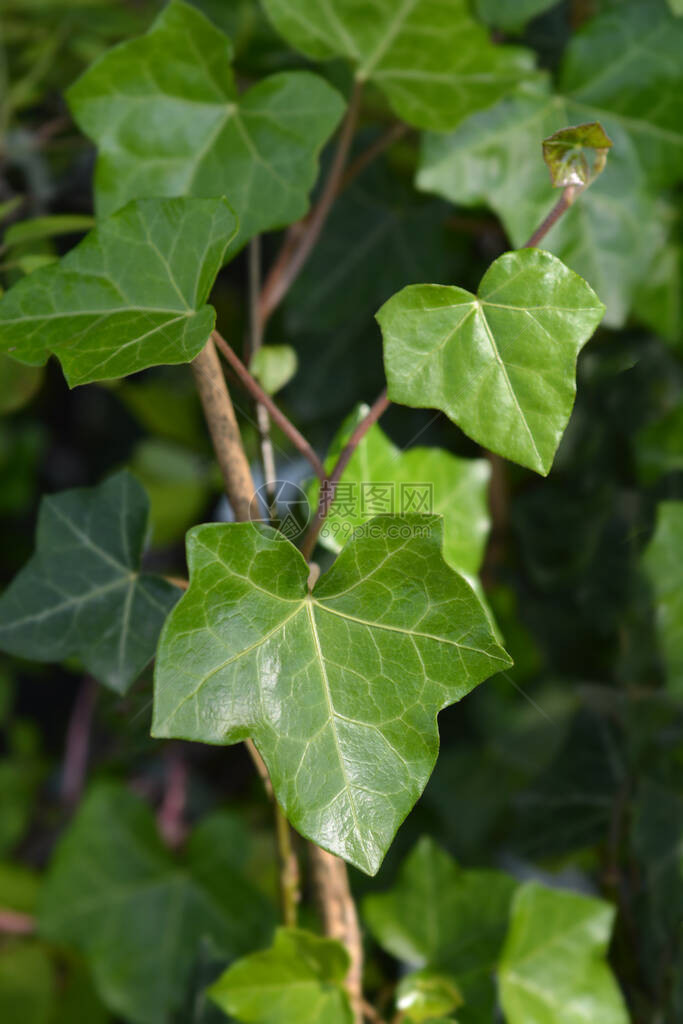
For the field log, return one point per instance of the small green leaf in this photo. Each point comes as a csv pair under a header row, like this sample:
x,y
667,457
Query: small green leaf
x,y
553,968
426,994
447,919
274,366
166,116
299,980
501,363
129,296
663,563
427,480
46,227
82,592
576,155
138,914
339,689
432,59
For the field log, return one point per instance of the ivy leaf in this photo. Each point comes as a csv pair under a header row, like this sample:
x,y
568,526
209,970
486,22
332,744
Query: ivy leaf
x,y
131,295
82,592
274,366
453,487
138,915
663,563
433,61
299,980
566,158
553,966
166,116
447,919
426,995
501,363
338,688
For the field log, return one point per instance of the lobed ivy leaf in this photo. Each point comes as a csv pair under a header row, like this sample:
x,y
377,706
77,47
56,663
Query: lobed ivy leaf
x,y
299,980
131,295
425,480
501,363
663,563
553,968
338,688
166,116
137,913
82,592
447,919
576,155
433,61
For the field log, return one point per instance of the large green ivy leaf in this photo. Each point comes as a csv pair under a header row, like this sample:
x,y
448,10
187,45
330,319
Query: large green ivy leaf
x,y
663,562
338,688
553,968
440,916
426,480
137,913
432,59
82,592
131,295
609,235
501,363
299,980
166,116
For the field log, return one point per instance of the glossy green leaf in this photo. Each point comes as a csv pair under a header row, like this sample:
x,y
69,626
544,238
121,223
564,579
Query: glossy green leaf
x,y
166,116
274,366
501,363
424,995
339,689
18,384
131,295
442,917
609,235
137,913
82,592
46,227
576,155
663,563
553,969
433,61
299,980
426,480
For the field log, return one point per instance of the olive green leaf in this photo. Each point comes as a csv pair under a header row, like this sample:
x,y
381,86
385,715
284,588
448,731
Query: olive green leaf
x,y
553,968
136,912
82,592
447,919
131,295
433,61
338,688
663,563
166,116
425,995
501,363
274,366
426,480
576,155
299,980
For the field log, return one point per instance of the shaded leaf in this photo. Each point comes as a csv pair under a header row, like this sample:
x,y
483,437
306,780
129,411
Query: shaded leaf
x,y
431,58
438,915
166,116
659,446
129,296
18,384
566,156
82,592
663,563
339,689
138,915
553,968
299,980
511,14
501,363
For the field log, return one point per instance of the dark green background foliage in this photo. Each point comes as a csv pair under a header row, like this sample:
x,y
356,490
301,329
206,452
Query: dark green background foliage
x,y
564,771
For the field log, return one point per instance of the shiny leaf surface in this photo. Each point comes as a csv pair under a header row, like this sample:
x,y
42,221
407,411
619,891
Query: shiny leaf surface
x,y
575,156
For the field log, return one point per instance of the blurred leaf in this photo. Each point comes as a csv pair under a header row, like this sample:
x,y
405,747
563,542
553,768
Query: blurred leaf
x,y
424,995
511,14
659,296
115,893
440,916
46,227
82,592
663,563
178,484
166,404
659,446
172,92
446,348
565,154
27,985
274,366
299,980
116,303
9,206
18,384
553,968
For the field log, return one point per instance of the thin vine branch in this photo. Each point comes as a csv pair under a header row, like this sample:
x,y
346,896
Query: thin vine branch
x,y
255,341
568,196
78,743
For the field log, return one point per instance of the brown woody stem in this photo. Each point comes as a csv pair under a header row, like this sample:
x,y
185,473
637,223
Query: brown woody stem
x,y
340,919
